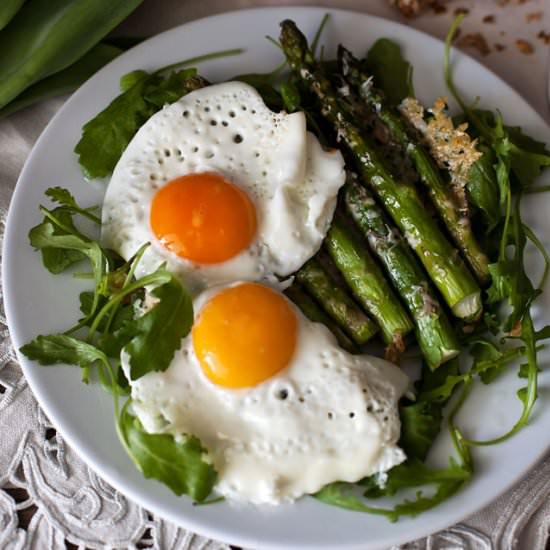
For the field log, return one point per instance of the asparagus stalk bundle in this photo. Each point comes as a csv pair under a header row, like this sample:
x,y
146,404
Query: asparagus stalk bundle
x,y
314,313
442,262
369,286
451,210
434,334
347,314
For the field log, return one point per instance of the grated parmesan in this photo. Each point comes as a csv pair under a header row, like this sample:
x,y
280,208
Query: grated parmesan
x,y
451,147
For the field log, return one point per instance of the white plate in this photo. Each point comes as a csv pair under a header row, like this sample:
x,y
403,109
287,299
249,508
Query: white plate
x,y
38,303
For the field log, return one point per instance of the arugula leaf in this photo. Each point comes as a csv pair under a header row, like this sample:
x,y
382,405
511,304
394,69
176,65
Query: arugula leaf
x,y
169,89
485,350
543,333
527,394
542,251
344,495
528,160
291,96
509,279
123,314
60,348
56,234
409,474
105,136
181,465
414,473
130,79
480,367
482,186
420,424
154,337
389,69
63,197
421,419
264,83
55,259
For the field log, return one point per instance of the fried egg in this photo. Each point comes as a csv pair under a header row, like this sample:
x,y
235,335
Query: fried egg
x,y
280,407
223,188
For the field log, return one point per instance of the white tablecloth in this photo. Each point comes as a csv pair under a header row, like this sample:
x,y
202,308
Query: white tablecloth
x,y
70,503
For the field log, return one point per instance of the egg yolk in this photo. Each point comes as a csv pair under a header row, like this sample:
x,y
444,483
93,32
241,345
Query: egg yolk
x,y
202,217
244,335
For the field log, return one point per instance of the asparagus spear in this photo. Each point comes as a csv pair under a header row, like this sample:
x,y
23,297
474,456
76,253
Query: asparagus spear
x,y
368,284
452,212
336,302
441,260
314,313
434,334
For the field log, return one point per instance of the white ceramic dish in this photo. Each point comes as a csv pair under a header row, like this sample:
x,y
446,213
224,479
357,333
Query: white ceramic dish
x,y
38,303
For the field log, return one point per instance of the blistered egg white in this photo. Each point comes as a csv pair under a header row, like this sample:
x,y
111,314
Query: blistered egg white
x,y
329,416
226,128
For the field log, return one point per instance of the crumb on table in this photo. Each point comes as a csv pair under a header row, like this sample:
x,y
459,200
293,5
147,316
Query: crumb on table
x,y
476,41
524,46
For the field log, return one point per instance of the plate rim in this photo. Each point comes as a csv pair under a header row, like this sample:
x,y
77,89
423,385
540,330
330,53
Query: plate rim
x,y
128,490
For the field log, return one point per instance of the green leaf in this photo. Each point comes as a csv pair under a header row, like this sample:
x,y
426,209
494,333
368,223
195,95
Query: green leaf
x,y
420,424
154,337
106,136
264,85
409,474
47,36
483,187
8,8
509,279
130,79
421,419
180,465
45,236
391,72
55,259
485,350
61,196
527,395
528,156
123,314
59,348
64,81
169,89
291,96
543,333
342,495
413,473
56,234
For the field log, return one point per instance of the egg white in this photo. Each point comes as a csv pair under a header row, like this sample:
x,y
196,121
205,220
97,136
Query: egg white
x,y
329,416
227,128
